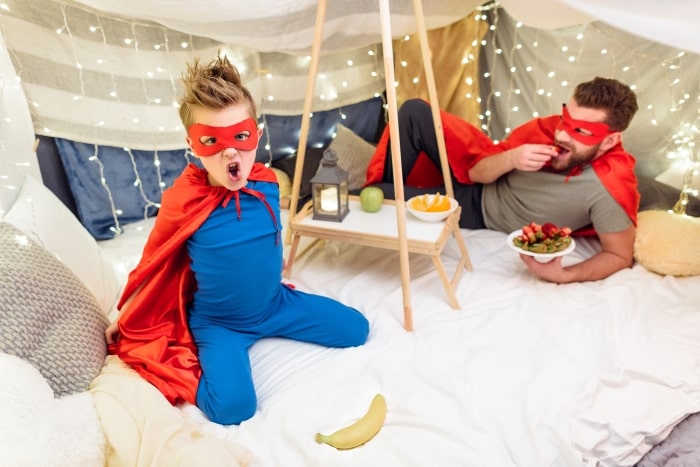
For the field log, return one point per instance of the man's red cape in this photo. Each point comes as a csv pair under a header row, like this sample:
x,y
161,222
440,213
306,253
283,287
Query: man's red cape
x,y
466,145
155,339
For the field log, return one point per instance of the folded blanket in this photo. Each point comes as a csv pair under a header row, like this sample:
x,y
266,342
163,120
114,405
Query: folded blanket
x,y
144,429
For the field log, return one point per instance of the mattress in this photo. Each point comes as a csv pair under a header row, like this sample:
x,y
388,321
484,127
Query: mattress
x,y
526,373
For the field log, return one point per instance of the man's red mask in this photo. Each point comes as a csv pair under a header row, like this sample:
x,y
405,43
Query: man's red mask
x,y
208,140
584,132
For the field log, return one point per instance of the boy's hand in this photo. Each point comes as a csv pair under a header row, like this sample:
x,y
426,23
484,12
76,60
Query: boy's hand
x,y
112,332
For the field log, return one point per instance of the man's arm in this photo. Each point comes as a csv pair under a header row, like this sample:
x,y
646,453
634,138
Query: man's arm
x,y
617,253
527,157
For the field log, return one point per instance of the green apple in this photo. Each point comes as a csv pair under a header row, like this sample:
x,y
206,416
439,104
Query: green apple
x,y
371,199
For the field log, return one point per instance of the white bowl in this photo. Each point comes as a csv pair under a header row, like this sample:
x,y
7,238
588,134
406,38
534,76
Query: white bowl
x,y
436,216
540,256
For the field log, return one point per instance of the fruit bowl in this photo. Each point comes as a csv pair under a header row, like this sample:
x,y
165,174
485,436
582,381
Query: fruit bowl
x,y
422,201
545,256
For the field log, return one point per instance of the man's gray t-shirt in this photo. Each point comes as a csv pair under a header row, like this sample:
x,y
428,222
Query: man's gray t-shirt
x,y
518,198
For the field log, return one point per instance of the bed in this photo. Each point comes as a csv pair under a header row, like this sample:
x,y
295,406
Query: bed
x,y
526,373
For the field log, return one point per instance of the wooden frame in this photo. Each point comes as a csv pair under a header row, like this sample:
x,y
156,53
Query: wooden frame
x,y
425,238
299,222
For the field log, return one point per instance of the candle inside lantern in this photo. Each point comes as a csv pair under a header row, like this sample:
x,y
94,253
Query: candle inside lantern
x,y
329,199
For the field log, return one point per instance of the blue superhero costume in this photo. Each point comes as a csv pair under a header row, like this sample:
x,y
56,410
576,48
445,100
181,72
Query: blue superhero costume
x,y
209,286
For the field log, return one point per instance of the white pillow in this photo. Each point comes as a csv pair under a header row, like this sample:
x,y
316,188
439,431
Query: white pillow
x,y
39,429
42,216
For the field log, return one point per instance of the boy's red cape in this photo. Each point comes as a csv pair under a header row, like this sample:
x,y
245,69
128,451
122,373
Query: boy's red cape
x,y
155,339
466,145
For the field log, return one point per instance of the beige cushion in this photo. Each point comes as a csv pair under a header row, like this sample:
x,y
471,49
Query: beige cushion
x,y
285,183
354,154
667,243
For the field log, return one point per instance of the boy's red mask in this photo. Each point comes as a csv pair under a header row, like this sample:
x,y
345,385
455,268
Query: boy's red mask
x,y
243,135
593,132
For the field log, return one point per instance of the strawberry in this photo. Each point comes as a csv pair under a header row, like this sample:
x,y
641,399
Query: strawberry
x,y
549,229
565,232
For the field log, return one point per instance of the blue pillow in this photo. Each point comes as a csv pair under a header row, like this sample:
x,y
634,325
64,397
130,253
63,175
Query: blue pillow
x,y
132,188
133,183
365,119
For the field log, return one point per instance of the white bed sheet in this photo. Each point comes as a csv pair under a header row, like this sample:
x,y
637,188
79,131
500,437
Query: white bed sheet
x,y
527,373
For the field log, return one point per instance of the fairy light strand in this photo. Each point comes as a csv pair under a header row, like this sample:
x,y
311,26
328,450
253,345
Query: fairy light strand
x,y
74,49
628,60
100,27
139,183
116,228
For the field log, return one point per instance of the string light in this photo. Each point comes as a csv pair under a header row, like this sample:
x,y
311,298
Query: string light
x,y
504,102
78,65
116,228
516,55
687,189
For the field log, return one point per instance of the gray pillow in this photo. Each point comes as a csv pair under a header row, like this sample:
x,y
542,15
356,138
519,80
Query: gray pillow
x,y
354,154
48,317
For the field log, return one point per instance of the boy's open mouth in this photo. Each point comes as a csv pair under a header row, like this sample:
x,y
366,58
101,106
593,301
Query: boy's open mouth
x,y
234,170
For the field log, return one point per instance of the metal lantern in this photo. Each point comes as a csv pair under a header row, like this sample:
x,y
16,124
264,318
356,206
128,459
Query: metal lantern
x,y
329,188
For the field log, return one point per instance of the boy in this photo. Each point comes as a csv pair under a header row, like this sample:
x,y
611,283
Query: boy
x,y
208,285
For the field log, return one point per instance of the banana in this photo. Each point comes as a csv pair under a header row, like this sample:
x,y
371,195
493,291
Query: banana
x,y
361,431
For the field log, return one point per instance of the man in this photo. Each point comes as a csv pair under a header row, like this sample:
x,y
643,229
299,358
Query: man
x,y
569,169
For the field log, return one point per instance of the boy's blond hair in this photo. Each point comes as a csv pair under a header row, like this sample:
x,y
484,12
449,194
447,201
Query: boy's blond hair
x,y
215,85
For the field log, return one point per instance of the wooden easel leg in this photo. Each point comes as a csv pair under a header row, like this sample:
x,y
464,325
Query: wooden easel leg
x,y
306,113
293,253
432,95
446,283
289,263
385,16
465,261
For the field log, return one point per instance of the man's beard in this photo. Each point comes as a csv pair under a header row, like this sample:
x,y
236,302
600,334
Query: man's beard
x,y
574,159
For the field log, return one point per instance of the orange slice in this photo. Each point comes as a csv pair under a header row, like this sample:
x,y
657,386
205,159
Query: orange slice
x,y
431,203
420,203
440,203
